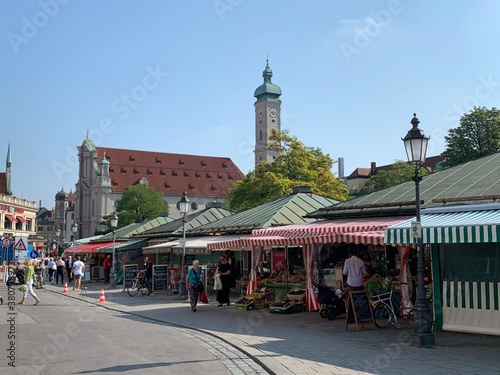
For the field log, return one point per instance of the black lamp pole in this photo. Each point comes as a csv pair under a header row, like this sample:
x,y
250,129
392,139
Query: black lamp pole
x,y
183,208
416,148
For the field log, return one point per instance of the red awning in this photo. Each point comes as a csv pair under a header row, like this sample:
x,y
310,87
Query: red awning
x,y
21,219
89,248
11,218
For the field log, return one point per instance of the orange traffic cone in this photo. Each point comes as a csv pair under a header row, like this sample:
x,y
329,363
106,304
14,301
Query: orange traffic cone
x,y
102,299
65,290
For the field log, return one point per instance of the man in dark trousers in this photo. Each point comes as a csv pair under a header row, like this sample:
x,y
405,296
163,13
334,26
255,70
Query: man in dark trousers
x,y
148,268
69,266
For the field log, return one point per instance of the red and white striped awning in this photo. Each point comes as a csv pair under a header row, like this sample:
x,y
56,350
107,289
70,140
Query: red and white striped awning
x,y
332,226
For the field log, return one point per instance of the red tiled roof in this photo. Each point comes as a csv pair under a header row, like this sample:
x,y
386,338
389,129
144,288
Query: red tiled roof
x,y
430,165
170,173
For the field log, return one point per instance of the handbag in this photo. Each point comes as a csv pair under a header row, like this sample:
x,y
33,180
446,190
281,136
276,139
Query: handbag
x,y
217,282
203,297
200,285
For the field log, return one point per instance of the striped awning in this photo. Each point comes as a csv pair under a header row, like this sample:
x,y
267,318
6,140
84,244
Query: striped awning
x,y
358,231
473,226
332,226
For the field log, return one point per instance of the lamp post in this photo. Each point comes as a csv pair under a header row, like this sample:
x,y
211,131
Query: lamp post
x,y
74,229
114,224
416,147
183,208
58,239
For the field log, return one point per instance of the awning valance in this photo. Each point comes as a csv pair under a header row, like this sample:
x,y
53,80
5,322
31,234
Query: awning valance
x,y
194,245
21,219
358,231
89,248
473,226
11,218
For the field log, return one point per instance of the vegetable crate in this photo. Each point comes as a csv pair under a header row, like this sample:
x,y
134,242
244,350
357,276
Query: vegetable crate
x,y
245,304
287,306
297,294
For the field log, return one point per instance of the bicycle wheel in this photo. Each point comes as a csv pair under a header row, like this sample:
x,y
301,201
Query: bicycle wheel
x,y
132,289
382,315
144,289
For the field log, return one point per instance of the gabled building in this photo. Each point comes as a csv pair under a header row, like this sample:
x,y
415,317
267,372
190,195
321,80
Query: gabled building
x,y
105,173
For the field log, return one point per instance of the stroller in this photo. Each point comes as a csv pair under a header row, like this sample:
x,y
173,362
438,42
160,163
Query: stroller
x,y
334,305
16,276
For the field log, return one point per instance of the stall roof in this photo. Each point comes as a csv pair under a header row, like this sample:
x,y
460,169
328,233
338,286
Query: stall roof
x,y
459,224
475,180
286,210
122,246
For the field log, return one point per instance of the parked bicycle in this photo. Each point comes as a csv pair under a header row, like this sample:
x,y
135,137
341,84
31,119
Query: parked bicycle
x,y
139,283
383,311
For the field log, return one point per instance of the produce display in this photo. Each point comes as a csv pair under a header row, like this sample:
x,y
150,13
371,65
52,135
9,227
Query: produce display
x,y
281,278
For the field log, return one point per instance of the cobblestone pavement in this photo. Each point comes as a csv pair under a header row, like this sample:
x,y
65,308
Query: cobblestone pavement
x,y
303,343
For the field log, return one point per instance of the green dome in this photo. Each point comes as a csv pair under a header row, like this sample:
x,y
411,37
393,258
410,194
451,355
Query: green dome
x,y
268,90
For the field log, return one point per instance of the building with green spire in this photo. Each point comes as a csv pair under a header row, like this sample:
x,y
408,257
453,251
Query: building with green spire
x,y
267,116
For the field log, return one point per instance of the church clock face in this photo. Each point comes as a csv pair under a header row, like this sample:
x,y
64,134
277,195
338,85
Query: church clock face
x,y
260,113
273,112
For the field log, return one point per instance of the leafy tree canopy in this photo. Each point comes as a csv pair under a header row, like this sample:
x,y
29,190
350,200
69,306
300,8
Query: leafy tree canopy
x,y
138,203
401,172
477,135
295,165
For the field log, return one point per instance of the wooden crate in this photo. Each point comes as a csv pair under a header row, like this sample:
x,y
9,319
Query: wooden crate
x,y
245,304
287,306
297,294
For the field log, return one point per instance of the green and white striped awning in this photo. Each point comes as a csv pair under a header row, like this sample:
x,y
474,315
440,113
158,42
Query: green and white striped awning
x,y
471,225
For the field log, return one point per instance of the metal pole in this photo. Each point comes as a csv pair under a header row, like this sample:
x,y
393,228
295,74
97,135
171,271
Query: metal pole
x,y
183,292
113,283
423,336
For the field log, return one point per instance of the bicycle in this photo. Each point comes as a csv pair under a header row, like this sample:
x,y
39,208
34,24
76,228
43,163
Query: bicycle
x,y
383,311
139,283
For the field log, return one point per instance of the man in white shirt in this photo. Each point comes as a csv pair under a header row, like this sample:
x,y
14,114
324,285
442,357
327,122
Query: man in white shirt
x,y
355,269
77,272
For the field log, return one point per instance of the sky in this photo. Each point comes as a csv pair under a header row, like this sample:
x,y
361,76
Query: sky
x,y
179,77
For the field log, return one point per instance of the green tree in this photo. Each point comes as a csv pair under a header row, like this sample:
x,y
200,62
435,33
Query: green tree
x,y
295,165
477,135
138,203
401,172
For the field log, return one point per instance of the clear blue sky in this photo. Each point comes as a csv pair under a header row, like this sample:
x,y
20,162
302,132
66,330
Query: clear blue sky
x,y
352,74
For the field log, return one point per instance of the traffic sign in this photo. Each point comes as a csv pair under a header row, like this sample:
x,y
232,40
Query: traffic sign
x,y
21,244
34,254
6,242
416,229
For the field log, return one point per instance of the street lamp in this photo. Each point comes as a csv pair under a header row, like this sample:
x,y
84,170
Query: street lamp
x,y
183,208
74,229
58,239
114,224
416,148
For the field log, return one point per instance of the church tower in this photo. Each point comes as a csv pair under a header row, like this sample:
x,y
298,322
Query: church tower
x,y
267,116
8,172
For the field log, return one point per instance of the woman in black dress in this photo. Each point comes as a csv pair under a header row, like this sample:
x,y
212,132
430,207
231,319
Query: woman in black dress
x,y
224,270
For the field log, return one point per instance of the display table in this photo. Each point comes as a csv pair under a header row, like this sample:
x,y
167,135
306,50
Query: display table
x,y
281,289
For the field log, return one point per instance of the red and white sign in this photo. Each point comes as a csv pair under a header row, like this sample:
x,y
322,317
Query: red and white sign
x,y
21,244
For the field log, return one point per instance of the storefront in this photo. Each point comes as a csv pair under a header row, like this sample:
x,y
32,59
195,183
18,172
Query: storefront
x,y
310,239
465,252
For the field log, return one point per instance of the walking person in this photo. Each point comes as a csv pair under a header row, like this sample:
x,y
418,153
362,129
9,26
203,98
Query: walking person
x,y
29,279
192,280
224,270
69,267
52,267
354,269
106,267
148,268
60,266
77,273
